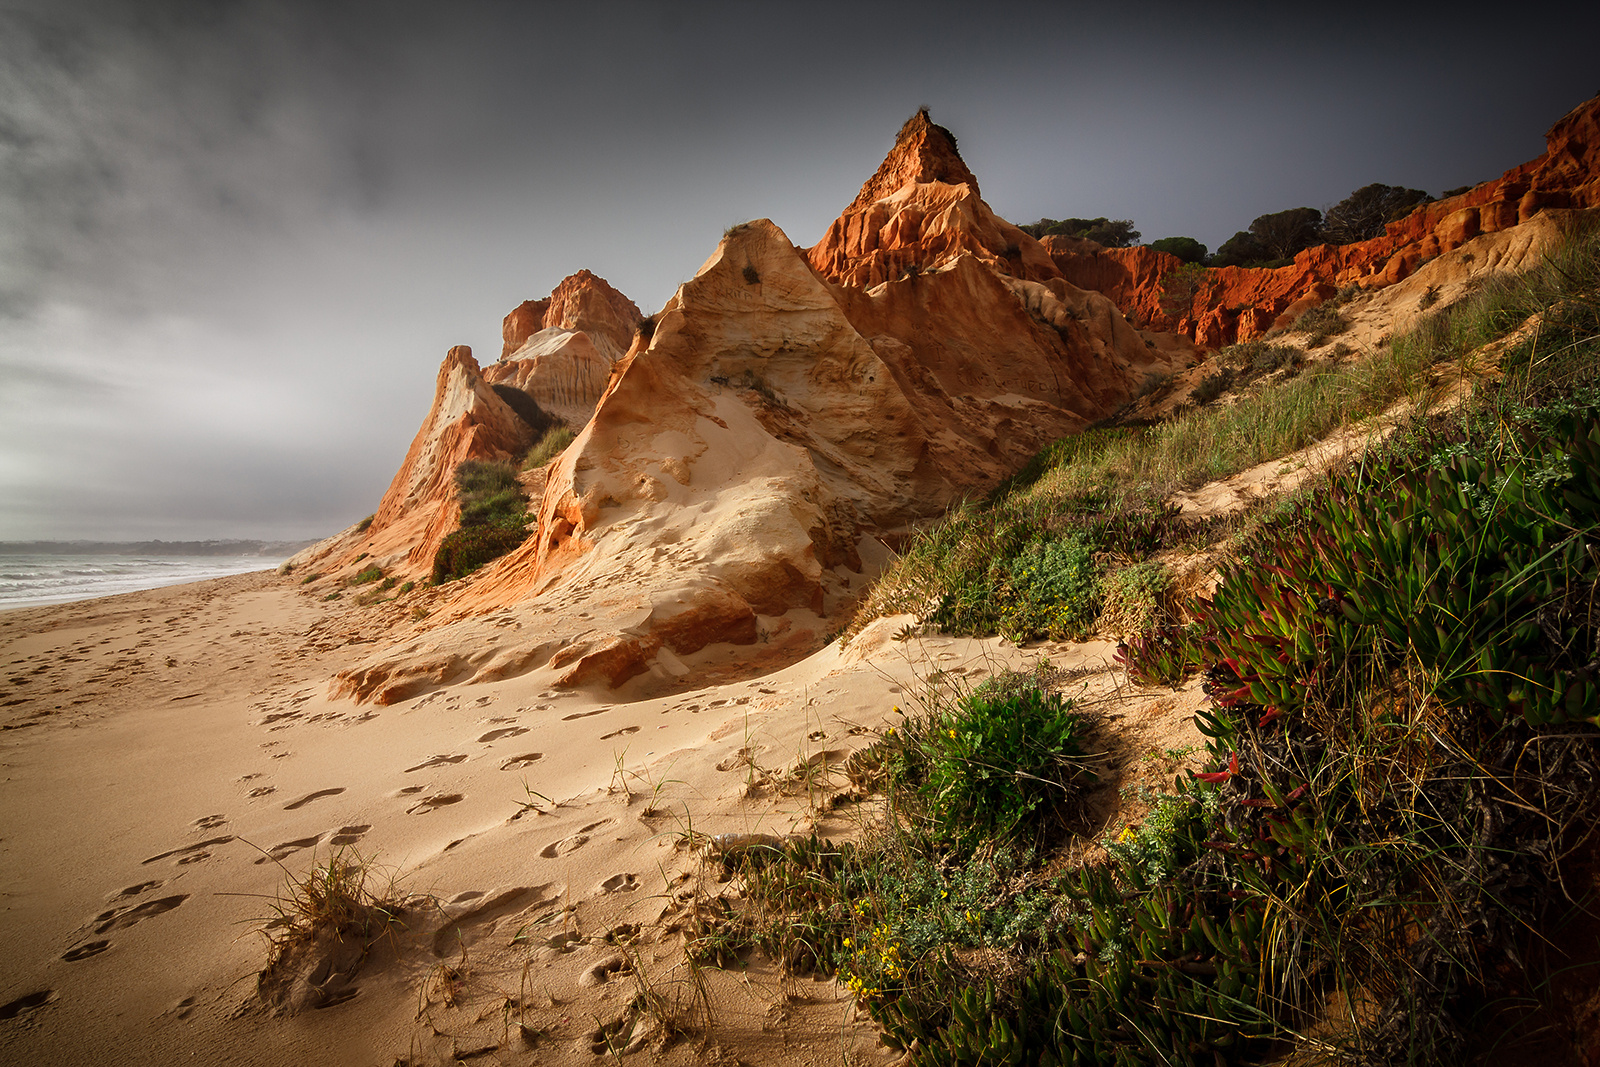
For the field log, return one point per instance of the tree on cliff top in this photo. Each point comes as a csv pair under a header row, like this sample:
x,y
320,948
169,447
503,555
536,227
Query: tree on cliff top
x,y
1363,214
1111,233
1272,240
1185,248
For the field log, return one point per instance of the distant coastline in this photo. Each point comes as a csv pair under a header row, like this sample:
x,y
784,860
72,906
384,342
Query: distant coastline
x,y
36,573
231,547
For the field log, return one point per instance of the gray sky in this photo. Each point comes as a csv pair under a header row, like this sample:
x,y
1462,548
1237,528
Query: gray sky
x,y
237,238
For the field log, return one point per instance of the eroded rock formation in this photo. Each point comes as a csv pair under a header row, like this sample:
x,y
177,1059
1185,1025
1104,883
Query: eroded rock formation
x,y
1238,303
560,350
787,405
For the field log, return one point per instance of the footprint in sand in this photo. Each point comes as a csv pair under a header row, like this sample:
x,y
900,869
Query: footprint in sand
x,y
619,883
504,731
85,951
262,791
135,890
349,835
191,853
438,800
602,972
122,918
620,733
584,714
209,822
473,922
435,761
27,1003
286,848
572,843
521,761
294,805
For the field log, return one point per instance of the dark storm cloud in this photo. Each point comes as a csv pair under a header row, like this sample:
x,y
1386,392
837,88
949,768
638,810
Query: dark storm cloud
x,y
130,133
237,237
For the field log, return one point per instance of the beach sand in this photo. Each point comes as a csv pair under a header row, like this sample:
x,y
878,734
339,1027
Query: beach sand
x,y
172,758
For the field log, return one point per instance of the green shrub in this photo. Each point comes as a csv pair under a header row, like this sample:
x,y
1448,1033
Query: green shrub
x,y
493,519
1321,322
371,573
1470,564
1212,386
1185,248
1052,590
465,550
548,447
1000,765
1134,598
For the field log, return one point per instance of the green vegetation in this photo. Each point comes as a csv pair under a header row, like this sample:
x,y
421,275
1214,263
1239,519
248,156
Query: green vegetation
x,y
1272,240
1185,248
372,573
1364,213
552,444
494,518
997,764
1111,233
1401,746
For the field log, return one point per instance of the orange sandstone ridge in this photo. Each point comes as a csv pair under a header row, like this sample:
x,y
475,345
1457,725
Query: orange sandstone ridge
x,y
1239,303
743,457
735,469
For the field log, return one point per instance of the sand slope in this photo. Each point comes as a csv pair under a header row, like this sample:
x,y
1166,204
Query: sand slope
x,y
162,749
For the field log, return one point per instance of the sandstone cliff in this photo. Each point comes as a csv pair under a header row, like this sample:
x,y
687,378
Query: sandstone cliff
x,y
1238,303
560,350
783,408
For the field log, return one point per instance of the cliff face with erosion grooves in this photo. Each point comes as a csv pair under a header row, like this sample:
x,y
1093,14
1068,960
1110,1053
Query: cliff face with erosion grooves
x,y
1239,303
776,416
467,420
567,345
560,350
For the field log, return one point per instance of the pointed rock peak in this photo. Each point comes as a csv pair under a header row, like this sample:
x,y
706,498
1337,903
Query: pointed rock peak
x,y
923,152
582,301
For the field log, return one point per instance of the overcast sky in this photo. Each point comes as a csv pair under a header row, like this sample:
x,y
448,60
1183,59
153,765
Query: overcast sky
x,y
237,238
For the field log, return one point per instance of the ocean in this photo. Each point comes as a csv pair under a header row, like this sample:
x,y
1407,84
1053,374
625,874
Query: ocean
x,y
29,579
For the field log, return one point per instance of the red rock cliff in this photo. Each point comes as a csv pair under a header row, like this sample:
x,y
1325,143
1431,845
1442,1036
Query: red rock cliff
x,y
1237,303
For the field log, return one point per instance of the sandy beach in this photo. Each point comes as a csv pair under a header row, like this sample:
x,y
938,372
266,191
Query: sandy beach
x,y
172,758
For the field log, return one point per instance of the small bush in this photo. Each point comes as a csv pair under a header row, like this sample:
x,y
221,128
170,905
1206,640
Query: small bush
x,y
751,275
372,573
997,762
1212,386
364,524
1134,598
548,447
407,587
1052,590
470,547
308,579
1321,322
493,519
